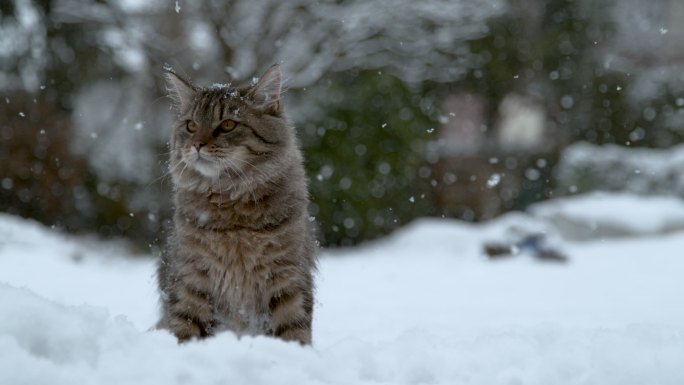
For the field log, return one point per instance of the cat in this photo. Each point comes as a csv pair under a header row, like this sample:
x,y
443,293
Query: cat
x,y
242,254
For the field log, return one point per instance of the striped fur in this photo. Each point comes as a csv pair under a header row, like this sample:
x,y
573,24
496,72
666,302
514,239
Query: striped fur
x,y
242,254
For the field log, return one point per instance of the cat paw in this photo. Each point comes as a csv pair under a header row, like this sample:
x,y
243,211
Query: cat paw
x,y
186,330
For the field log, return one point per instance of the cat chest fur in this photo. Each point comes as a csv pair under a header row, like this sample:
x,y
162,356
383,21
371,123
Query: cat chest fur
x,y
240,269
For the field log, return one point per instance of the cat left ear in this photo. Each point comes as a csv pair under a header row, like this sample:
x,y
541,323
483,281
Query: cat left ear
x,y
266,93
180,90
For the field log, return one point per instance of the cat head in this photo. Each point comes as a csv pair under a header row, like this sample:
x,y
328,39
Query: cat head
x,y
235,133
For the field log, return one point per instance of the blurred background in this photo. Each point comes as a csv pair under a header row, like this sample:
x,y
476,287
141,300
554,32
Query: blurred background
x,y
461,109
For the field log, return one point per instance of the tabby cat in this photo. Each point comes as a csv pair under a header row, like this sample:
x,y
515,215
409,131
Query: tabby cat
x,y
242,253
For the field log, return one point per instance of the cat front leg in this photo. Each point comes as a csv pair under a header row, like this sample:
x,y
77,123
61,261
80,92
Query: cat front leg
x,y
291,313
188,311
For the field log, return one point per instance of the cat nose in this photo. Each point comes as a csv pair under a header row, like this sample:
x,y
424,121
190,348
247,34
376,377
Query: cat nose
x,y
198,144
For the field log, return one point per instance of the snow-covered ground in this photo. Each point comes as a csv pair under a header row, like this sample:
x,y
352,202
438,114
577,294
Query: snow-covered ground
x,y
421,307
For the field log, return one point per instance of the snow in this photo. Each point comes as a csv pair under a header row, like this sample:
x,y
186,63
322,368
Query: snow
x,y
602,214
22,44
611,167
423,306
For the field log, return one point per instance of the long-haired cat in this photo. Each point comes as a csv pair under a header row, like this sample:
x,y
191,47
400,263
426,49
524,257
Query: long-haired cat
x,y
242,253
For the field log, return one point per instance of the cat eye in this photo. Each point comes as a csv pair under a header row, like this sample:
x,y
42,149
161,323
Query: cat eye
x,y
227,125
190,126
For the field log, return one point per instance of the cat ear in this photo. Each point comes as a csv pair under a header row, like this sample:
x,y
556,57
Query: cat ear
x,y
180,90
266,92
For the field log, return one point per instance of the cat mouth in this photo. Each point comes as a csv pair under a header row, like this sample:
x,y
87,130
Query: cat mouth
x,y
204,164
198,157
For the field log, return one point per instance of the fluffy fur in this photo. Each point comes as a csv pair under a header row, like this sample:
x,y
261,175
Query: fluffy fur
x,y
242,253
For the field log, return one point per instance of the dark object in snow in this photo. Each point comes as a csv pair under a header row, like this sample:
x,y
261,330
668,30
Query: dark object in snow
x,y
498,250
533,243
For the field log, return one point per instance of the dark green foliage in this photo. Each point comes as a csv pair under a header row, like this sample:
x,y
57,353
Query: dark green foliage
x,y
549,56
364,157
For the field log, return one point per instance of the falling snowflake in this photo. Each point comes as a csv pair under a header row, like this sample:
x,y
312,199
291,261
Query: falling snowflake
x,y
493,180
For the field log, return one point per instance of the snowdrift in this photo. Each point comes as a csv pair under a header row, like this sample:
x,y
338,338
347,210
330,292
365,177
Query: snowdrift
x,y
421,307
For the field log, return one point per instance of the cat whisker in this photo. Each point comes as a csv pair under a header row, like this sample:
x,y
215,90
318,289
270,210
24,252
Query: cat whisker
x,y
227,163
183,169
165,153
254,168
172,169
264,176
258,172
220,191
243,177
167,173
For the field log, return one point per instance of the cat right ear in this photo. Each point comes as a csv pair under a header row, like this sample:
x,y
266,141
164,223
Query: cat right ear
x,y
180,90
266,92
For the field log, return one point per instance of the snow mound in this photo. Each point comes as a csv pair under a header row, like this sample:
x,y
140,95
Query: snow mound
x,y
45,342
606,215
421,307
50,343
610,167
